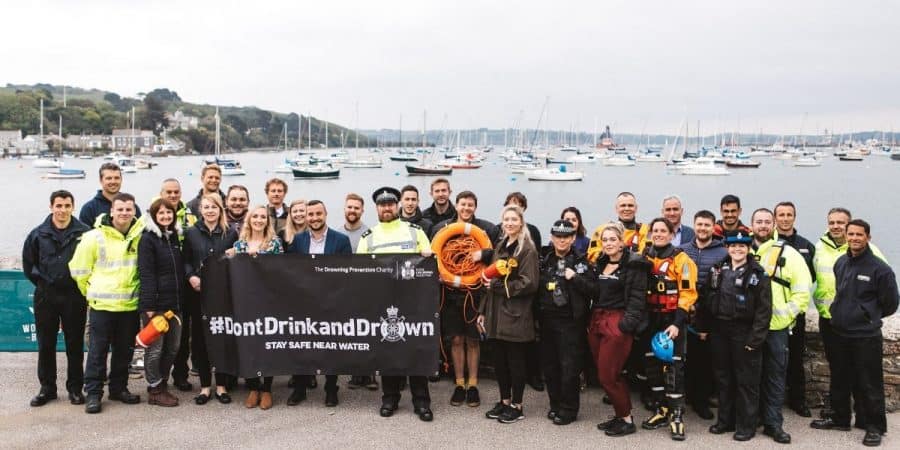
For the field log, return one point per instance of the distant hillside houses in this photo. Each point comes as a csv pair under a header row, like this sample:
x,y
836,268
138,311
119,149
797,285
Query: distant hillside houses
x,y
179,121
121,140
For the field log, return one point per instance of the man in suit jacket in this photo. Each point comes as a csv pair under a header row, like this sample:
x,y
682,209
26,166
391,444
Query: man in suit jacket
x,y
318,239
672,211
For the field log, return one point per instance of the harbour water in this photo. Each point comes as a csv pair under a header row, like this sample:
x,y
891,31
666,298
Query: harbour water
x,y
867,188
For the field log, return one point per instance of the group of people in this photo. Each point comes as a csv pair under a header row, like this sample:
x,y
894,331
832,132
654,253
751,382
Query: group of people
x,y
680,313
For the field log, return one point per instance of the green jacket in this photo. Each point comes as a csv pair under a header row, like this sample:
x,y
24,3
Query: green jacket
x,y
105,266
791,281
827,252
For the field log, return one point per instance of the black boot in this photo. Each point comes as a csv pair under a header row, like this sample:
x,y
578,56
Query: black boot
x,y
676,423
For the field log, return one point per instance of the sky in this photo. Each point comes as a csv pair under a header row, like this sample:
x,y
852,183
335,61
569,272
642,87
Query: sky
x,y
640,66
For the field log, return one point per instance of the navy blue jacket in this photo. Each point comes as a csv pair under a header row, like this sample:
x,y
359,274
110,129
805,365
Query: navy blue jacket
x,y
96,206
46,254
161,269
704,258
336,243
866,293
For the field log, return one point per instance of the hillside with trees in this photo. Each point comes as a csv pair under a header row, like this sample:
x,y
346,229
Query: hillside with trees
x,y
93,111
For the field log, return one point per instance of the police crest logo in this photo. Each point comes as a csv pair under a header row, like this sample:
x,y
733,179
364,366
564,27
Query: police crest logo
x,y
392,329
407,271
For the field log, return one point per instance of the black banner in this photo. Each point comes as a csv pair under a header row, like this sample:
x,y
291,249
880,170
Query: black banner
x,y
322,314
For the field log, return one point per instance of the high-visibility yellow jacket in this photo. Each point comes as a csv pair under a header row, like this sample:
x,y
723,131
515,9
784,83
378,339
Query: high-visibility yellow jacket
x,y
827,252
396,236
105,266
791,281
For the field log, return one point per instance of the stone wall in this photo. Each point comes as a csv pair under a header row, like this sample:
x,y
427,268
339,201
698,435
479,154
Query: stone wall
x,y
818,375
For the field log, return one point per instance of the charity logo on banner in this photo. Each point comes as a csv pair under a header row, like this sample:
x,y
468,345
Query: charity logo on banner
x,y
322,314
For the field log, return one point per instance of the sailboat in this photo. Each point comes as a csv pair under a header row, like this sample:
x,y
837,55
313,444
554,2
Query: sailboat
x,y
230,167
426,168
44,162
370,162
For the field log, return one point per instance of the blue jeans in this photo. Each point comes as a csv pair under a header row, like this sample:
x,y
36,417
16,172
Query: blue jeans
x,y
115,330
774,377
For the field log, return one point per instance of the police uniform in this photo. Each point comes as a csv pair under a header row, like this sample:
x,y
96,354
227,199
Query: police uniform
x,y
672,294
397,236
791,282
736,316
562,312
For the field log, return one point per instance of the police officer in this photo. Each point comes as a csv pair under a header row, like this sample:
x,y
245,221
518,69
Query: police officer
x,y
562,312
785,216
866,294
45,258
736,315
393,235
104,267
790,296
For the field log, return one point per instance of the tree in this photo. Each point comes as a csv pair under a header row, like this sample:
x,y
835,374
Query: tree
x,y
165,95
154,116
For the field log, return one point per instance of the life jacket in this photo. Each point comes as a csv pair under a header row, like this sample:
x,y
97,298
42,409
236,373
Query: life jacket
x,y
663,288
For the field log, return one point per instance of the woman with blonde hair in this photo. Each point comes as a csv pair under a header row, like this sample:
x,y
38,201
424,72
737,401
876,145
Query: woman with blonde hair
x,y
258,238
296,222
209,238
506,315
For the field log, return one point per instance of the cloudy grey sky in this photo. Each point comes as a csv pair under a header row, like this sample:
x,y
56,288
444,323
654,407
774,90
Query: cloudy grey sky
x,y
633,64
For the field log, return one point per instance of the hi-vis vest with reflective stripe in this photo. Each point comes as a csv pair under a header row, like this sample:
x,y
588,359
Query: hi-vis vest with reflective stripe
x,y
396,236
827,253
790,293
105,267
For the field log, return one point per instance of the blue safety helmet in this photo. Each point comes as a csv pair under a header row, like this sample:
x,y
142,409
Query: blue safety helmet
x,y
663,347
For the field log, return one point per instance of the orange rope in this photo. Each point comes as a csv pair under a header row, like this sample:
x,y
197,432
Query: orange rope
x,y
456,256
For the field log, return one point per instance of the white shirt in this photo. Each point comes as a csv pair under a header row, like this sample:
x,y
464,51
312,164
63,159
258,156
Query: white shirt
x,y
317,247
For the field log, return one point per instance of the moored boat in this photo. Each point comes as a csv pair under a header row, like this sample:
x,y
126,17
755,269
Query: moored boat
x,y
317,172
64,174
555,174
428,169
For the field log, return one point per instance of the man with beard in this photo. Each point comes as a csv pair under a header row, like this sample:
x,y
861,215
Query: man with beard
x,y
791,283
458,306
440,210
785,216
210,179
730,208
409,208
110,184
318,239
279,214
236,205
353,224
705,251
393,235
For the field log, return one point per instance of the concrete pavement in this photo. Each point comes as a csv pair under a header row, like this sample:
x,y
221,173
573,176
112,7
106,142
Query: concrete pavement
x,y
353,424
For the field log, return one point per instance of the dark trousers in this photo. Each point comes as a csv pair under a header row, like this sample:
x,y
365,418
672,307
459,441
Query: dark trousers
x,y
828,345
665,379
418,386
199,355
610,349
52,308
180,365
115,331
509,367
856,364
774,374
738,373
796,375
562,343
302,381
698,370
